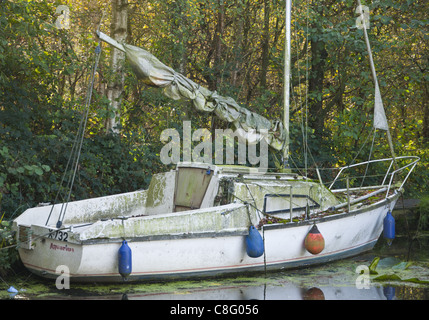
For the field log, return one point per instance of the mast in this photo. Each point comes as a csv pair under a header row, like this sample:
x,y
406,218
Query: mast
x,y
286,88
379,115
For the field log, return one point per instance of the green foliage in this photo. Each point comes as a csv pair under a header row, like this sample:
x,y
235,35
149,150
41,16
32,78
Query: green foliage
x,y
235,49
392,269
40,111
423,214
8,254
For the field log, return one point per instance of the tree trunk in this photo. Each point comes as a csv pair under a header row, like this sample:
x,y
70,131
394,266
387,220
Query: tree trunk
x,y
218,46
425,107
265,45
317,75
238,52
118,31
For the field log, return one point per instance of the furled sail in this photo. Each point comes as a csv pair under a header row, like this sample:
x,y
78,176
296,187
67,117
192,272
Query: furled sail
x,y
249,125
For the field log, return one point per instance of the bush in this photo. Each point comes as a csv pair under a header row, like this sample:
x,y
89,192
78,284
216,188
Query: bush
x,y
8,253
423,210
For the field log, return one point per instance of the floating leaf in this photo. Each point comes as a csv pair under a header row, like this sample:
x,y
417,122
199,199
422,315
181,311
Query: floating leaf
x,y
388,277
395,277
416,280
388,262
373,265
402,265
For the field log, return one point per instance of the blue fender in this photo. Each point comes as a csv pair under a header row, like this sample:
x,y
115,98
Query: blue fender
x,y
389,227
254,243
124,260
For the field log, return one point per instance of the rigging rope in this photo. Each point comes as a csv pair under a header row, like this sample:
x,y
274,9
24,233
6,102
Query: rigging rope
x,y
77,146
306,94
369,157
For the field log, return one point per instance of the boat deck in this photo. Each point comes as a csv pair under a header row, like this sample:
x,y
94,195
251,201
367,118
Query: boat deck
x,y
351,201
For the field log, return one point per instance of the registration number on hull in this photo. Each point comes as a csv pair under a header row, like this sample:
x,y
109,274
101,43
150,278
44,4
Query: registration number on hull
x,y
58,235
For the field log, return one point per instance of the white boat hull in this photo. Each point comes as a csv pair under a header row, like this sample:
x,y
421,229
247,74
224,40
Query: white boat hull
x,y
209,254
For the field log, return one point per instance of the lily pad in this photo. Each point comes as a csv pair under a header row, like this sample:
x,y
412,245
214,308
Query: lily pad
x,y
395,277
393,269
402,265
388,262
416,280
388,277
373,265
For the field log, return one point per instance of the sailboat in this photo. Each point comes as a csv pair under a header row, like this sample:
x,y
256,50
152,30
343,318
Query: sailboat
x,y
203,219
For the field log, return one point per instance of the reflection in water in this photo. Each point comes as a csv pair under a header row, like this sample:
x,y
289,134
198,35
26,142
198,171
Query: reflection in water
x,y
322,283
279,291
284,292
389,292
313,294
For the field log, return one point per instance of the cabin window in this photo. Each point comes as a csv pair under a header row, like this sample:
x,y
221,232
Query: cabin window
x,y
280,203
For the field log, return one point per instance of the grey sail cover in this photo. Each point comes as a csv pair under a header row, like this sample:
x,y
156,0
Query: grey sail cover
x,y
248,125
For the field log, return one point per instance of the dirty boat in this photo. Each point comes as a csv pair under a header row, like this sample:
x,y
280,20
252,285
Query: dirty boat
x,y
194,221
201,219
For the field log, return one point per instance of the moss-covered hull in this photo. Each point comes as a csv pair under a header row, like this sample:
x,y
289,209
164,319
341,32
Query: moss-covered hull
x,y
169,242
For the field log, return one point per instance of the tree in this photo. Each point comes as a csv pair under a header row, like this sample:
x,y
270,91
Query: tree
x,y
118,30
235,47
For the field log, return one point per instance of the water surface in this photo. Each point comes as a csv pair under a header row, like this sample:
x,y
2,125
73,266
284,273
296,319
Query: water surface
x,y
346,279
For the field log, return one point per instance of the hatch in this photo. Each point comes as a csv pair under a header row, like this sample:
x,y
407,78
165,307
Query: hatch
x,y
191,186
